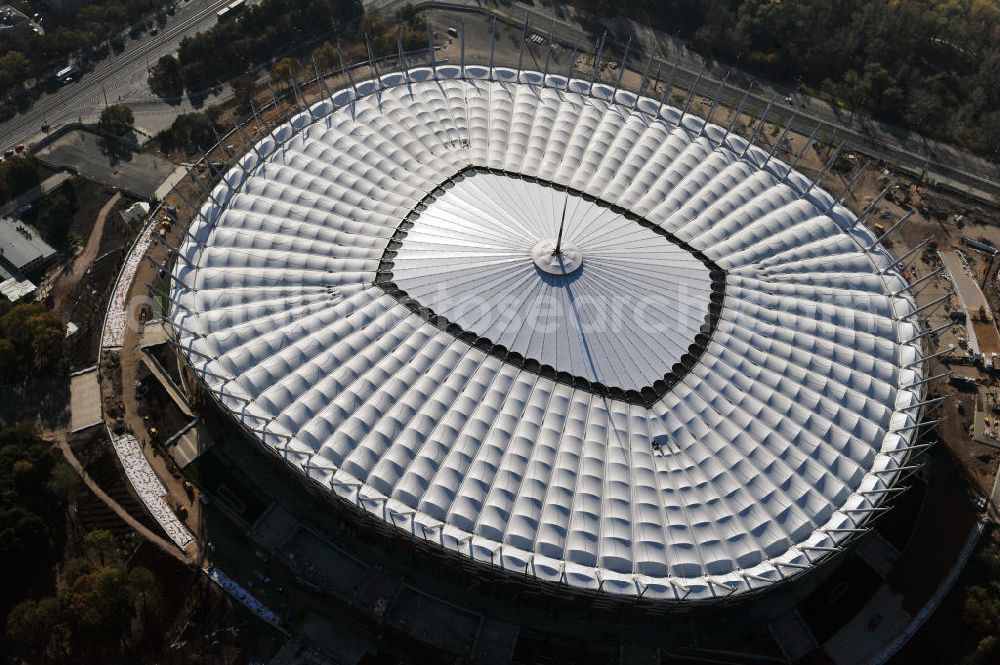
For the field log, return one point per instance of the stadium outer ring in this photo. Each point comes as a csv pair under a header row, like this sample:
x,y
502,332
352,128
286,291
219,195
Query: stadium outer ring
x,y
343,97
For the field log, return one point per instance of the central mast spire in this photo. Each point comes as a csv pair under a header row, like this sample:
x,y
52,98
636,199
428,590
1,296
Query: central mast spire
x,y
558,250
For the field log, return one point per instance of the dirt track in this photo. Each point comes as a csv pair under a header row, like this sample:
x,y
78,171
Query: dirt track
x,y
66,284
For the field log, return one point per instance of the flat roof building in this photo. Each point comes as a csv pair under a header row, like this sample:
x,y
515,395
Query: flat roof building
x,y
22,248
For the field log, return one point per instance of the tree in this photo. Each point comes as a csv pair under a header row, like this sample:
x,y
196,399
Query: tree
x,y
100,543
14,68
980,610
117,119
165,79
32,622
17,175
244,88
34,337
189,132
284,70
53,216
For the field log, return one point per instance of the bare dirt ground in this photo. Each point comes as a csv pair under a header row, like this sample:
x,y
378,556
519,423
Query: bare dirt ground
x,y
69,277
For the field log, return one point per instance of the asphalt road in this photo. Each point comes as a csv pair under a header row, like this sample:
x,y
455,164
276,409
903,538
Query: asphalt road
x,y
112,77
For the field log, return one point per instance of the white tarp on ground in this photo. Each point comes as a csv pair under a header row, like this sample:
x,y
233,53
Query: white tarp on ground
x,y
116,318
768,445
149,488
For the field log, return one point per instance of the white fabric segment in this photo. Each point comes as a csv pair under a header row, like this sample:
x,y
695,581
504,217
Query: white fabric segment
x,y
623,319
768,445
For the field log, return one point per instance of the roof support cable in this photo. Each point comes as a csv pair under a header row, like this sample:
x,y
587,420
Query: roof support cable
x,y
345,70
597,63
942,375
274,98
922,280
715,99
906,449
846,193
930,332
865,511
870,207
901,260
781,137
920,360
493,44
372,64
666,89
908,428
520,50
758,129
883,490
253,110
495,554
403,65
929,306
843,530
802,152
692,92
792,564
819,548
736,114
299,98
933,402
430,49
902,220
621,67
677,585
645,76
548,56
152,288
728,589
572,62
826,169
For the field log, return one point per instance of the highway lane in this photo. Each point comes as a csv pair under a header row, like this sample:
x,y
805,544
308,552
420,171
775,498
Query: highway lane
x,y
110,76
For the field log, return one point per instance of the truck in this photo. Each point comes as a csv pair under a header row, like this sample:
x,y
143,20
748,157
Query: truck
x,y
68,74
231,11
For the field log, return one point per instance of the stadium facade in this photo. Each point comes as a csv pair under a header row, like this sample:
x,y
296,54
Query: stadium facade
x,y
559,329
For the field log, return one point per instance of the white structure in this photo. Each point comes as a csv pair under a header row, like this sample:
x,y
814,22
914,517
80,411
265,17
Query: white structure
x,y
149,488
374,294
13,289
135,212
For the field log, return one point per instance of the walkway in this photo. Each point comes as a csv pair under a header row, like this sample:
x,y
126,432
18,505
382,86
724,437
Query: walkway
x,y
167,547
68,278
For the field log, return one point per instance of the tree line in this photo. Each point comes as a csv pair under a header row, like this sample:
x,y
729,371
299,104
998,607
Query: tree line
x,y
25,55
927,65
237,46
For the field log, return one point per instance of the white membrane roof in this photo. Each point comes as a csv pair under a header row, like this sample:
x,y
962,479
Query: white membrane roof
x,y
623,318
763,451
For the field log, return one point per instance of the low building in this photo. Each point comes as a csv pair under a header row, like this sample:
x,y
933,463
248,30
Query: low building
x,y
14,289
22,249
135,212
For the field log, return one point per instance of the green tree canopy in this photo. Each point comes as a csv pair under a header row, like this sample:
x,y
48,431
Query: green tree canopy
x,y
165,80
31,341
17,175
117,119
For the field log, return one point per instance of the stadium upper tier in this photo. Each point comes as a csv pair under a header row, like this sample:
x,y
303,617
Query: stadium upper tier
x,y
701,393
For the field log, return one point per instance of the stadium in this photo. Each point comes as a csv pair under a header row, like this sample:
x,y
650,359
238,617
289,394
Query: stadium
x,y
556,329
